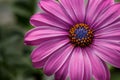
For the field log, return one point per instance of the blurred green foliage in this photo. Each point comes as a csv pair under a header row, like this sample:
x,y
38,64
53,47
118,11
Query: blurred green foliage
x,y
15,63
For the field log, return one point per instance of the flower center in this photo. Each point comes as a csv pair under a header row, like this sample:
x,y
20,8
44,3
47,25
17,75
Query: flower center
x,y
81,35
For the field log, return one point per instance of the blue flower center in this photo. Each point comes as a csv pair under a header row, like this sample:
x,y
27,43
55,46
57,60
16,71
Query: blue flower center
x,y
81,35
81,32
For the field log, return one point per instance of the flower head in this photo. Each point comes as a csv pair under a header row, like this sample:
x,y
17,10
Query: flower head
x,y
76,38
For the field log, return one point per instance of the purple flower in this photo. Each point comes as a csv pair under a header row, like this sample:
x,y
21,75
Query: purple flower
x,y
75,39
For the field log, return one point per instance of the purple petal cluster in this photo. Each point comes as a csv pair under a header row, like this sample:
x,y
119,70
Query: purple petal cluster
x,y
54,51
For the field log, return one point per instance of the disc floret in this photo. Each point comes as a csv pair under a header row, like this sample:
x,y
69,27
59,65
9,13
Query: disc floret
x,y
81,35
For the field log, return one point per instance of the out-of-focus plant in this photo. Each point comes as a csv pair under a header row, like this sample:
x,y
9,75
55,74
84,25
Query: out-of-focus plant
x,y
15,63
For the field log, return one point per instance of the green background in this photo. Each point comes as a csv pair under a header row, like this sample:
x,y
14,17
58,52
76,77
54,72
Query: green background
x,y
15,63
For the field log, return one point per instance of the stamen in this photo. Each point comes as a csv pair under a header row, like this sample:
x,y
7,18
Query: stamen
x,y
81,35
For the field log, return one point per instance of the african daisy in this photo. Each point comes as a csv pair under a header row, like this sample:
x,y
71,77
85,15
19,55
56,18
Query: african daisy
x,y
76,38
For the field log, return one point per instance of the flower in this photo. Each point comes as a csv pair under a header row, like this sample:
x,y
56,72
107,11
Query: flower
x,y
75,39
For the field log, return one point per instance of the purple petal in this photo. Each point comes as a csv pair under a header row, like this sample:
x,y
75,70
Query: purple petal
x,y
114,38
108,33
47,48
87,66
78,7
107,17
54,8
99,69
62,73
110,29
39,64
37,56
68,8
111,35
108,54
42,19
38,35
95,8
58,59
109,44
76,65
